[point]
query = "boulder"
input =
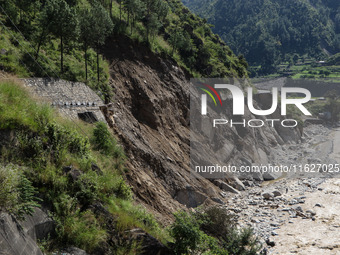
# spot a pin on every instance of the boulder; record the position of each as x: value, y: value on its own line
x: 14, y: 239
x: 75, y: 174
x: 217, y: 200
x: 237, y: 184
x: 269, y: 176
x: 72, y: 251
x: 149, y: 244
x: 227, y: 187
x: 190, y: 197
x: 39, y: 225
x: 277, y: 193
x: 268, y: 195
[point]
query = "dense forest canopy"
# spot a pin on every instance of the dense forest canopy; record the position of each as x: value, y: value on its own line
x: 268, y: 32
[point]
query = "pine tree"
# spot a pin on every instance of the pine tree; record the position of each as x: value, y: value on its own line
x: 85, y: 25
x: 102, y: 27
x: 61, y: 21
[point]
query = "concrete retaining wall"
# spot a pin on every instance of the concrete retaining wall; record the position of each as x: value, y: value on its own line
x: 70, y: 98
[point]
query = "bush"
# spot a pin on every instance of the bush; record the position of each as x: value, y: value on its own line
x: 104, y: 142
x: 82, y: 230
x: 103, y: 139
x: 214, y: 231
x: 186, y: 233
x: 26, y: 200
x: 17, y: 195
x: 9, y: 180
x: 64, y: 138
x: 242, y: 242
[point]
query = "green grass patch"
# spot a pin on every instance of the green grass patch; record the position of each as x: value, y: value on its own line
x: 43, y: 144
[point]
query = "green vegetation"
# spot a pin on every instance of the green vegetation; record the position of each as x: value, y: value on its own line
x: 45, y: 40
x: 104, y: 141
x: 324, y: 73
x: 269, y: 32
x: 211, y: 231
x: 74, y: 168
x: 47, y: 156
x: 60, y: 38
x: 334, y: 60
x: 330, y: 105
x: 17, y: 195
x: 305, y: 68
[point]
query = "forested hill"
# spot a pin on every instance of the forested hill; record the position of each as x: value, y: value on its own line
x: 270, y: 31
x: 73, y: 27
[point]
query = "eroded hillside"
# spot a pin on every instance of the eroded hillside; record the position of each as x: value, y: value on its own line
x: 152, y: 122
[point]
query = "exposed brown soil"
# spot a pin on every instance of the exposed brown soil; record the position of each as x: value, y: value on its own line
x: 152, y: 122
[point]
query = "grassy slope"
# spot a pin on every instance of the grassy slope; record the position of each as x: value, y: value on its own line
x: 45, y: 143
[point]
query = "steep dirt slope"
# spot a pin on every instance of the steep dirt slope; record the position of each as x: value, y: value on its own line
x: 152, y: 122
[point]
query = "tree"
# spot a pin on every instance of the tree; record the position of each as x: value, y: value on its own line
x: 176, y: 40
x: 61, y: 21
x: 295, y: 58
x: 152, y: 25
x: 85, y: 25
x: 25, y: 7
x: 135, y: 9
x: 162, y: 10
x: 120, y: 9
x: 102, y: 26
x: 154, y: 11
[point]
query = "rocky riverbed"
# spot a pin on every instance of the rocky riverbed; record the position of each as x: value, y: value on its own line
x: 297, y: 214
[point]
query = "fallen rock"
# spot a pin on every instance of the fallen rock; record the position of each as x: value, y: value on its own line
x: 268, y: 176
x: 274, y: 233
x: 298, y: 208
x: 72, y: 251
x: 39, y: 225
x: 149, y: 244
x: 237, y: 184
x: 268, y: 195
x: 217, y: 200
x: 14, y: 239
x: 190, y: 197
x: 227, y: 187
x: 277, y: 193
x: 270, y: 242
x: 311, y: 212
